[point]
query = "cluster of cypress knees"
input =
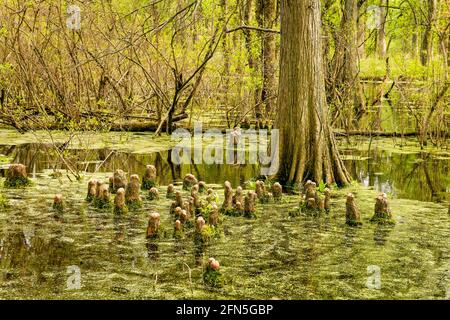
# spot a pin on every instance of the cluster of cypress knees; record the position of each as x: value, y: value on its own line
x: 128, y: 196
x: 199, y: 215
x: 314, y: 201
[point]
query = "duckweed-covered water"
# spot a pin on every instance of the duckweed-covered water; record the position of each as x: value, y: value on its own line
x: 271, y: 257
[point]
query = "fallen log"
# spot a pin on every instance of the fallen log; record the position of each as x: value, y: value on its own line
x: 140, y: 124
x: 385, y: 133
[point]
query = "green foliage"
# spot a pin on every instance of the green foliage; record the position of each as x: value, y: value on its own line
x: 207, y: 233
x: 56, y: 175
x: 302, y: 209
x: 353, y: 223
x: 321, y: 187
x: 58, y: 207
x: 134, y: 204
x: 213, y: 278
x: 205, y: 210
x: 151, y: 196
x: 5, y: 69
x: 292, y: 188
x: 265, y: 198
x: 251, y: 184
x: 295, y: 212
x: 178, y: 234
x: 250, y: 215
x: 3, y: 201
x: 148, y: 184
x: 101, y: 204
x: 120, y: 211
x: 382, y: 218
x: 232, y: 212
x: 5, y: 160
x: 16, y: 183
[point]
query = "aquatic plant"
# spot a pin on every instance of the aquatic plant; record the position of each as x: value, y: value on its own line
x: 212, y: 276
x: 58, y: 203
x: 178, y: 232
x: 212, y: 196
x: 313, y: 202
x: 3, y: 201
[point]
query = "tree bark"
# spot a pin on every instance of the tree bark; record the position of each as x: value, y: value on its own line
x: 267, y: 8
x: 444, y: 53
x: 351, y: 73
x: 247, y: 9
x: 382, y: 47
x: 226, y: 55
x: 414, y: 44
x: 307, y: 146
x: 427, y: 39
x: 361, y: 31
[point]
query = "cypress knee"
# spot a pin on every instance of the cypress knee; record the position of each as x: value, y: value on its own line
x: 382, y: 210
x: 189, y: 181
x: 170, y: 192
x: 16, y: 177
x: 352, y: 215
x: 92, y: 190
x: 228, y: 200
x: 277, y: 191
x: 153, y: 194
x: 327, y: 202
x: 149, y: 178
x: 103, y: 199
x: 117, y: 181
x: 58, y: 202
x: 132, y: 195
x: 119, y: 202
x: 154, y: 223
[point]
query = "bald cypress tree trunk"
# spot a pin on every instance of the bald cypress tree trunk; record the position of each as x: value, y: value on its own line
x: 267, y: 8
x: 382, y: 46
x: 427, y: 40
x: 347, y: 66
x: 307, y: 146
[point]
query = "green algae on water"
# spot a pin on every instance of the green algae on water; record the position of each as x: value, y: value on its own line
x: 3, y: 201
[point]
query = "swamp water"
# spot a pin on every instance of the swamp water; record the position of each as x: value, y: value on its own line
x: 271, y: 257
